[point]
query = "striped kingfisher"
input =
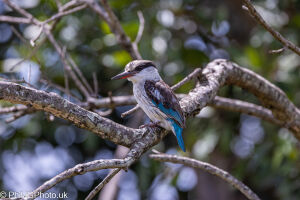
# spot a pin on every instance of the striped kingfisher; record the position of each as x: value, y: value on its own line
x: 155, y: 97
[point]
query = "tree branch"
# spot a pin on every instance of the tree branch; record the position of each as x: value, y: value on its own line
x: 115, y: 26
x: 102, y: 184
x: 208, y: 168
x: 246, y: 108
x: 81, y: 169
x: 62, y: 108
x: 220, y: 72
x: 214, y: 76
x: 276, y: 34
x: 18, y: 20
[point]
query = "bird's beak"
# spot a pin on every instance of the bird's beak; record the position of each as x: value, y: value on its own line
x: 123, y: 75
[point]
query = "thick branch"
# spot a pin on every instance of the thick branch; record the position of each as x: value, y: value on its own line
x: 208, y: 168
x: 59, y: 107
x: 220, y: 72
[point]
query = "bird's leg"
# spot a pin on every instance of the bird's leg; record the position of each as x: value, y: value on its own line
x: 151, y: 125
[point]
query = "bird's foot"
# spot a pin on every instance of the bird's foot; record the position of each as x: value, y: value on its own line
x: 151, y: 125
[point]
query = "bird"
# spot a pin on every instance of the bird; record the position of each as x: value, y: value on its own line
x: 155, y: 97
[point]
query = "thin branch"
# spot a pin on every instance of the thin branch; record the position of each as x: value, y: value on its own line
x: 276, y: 51
x: 32, y: 53
x: 47, y: 30
x: 134, y: 154
x: 71, y: 4
x: 64, y: 13
x: 95, y: 82
x: 93, y: 193
x: 66, y: 64
x: 18, y: 20
x: 20, y: 10
x: 109, y: 191
x: 80, y: 74
x: 57, y: 87
x: 12, y: 109
x: 192, y: 75
x: 208, y: 168
x: 141, y: 27
x: 115, y: 26
x: 81, y: 169
x: 19, y: 35
x: 132, y: 110
x: 58, y: 4
x: 20, y: 114
x: 286, y: 43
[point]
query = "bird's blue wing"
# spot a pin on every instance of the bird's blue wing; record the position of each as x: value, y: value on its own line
x: 163, y: 97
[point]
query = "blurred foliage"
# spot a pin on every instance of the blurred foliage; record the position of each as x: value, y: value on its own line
x: 179, y: 36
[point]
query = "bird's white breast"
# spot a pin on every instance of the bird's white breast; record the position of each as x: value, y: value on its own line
x: 148, y: 107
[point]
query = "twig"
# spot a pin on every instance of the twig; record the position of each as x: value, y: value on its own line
x: 71, y: 4
x: 192, y: 75
x: 57, y: 87
x: 17, y: 81
x: 59, y: 5
x: 141, y: 27
x: 286, y: 43
x: 79, y: 73
x: 132, y: 110
x: 20, y: 114
x: 18, y: 20
x: 19, y: 35
x: 20, y: 10
x: 12, y: 109
x: 95, y: 81
x: 64, y: 13
x: 32, y: 53
x: 276, y: 51
x: 208, y: 168
x: 109, y: 191
x: 93, y: 193
x: 66, y: 65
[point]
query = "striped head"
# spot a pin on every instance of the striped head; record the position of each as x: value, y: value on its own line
x: 139, y: 71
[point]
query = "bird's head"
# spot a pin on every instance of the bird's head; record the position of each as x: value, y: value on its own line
x: 139, y: 70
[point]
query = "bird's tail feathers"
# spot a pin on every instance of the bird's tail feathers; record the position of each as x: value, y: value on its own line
x: 178, y: 133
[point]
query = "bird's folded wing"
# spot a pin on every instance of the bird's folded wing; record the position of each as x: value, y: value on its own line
x: 163, y: 97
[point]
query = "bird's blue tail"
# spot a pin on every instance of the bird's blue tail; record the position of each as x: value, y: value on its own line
x: 178, y: 133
